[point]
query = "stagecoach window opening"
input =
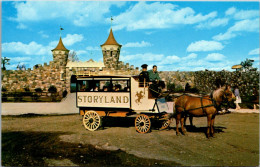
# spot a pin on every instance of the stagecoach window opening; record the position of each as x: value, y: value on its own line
x: 103, y: 85
x: 121, y: 85
x: 83, y: 86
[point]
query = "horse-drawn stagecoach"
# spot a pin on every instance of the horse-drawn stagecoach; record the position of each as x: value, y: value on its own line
x: 122, y: 96
x: 118, y: 96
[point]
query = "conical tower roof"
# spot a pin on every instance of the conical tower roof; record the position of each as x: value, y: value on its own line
x: 111, y: 39
x: 60, y: 46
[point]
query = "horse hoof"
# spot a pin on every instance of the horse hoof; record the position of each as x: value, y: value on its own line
x: 177, y: 134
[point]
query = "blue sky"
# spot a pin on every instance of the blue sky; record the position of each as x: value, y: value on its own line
x: 184, y: 36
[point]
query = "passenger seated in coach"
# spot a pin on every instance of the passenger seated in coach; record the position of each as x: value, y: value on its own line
x: 105, y: 89
x: 117, y: 88
x: 126, y: 89
x: 96, y: 89
x: 83, y: 88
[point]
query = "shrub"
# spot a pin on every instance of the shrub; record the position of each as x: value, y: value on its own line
x: 194, y: 90
x: 179, y: 88
x: 26, y: 89
x: 38, y: 90
x: 4, y: 97
x: 64, y: 93
x: 4, y: 89
x: 171, y: 87
x: 52, y: 89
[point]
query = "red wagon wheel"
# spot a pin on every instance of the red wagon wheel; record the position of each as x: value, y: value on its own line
x: 142, y: 123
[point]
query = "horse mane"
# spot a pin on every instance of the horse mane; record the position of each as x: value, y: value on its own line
x: 217, y: 94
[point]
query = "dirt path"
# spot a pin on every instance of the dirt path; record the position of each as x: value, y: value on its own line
x: 236, y: 142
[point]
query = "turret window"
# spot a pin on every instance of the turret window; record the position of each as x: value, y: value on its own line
x: 111, y: 53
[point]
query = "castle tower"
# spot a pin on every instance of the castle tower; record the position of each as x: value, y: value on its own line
x: 60, y: 54
x: 111, y: 52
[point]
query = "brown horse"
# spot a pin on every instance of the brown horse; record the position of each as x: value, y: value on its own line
x: 201, y: 106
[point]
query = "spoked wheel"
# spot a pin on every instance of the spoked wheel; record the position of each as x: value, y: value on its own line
x: 142, y: 123
x: 165, y: 124
x: 91, y: 120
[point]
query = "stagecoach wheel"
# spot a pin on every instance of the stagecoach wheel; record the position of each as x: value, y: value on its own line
x: 142, y: 123
x: 165, y: 124
x: 91, y: 120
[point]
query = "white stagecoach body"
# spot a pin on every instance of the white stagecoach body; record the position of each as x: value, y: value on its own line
x: 131, y: 96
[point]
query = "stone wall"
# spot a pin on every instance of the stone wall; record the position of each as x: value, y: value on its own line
x: 40, y: 77
x: 55, y: 74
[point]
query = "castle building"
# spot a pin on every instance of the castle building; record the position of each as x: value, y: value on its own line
x: 111, y: 52
x: 62, y: 73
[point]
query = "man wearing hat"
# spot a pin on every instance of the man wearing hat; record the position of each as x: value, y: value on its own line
x: 143, y: 76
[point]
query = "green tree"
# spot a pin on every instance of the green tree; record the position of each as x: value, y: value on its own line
x: 247, y: 64
x: 5, y: 61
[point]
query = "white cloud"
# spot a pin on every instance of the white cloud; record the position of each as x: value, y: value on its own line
x: 43, y: 34
x: 31, y: 48
x: 255, y: 59
x: 170, y: 60
x: 21, y: 26
x: 254, y: 52
x: 215, y: 57
x: 34, y: 48
x: 246, y: 25
x: 20, y: 59
x: 190, y: 56
x: 80, y: 13
x: 230, y: 11
x: 69, y: 40
x: 246, y: 14
x: 224, y: 36
x: 197, y: 65
x: 91, y: 48
x: 243, y: 25
x: 138, y: 44
x: 145, y: 15
x: 142, y: 57
x: 149, y: 32
x: 204, y: 46
x: 81, y: 52
x: 213, y: 23
x: 242, y: 14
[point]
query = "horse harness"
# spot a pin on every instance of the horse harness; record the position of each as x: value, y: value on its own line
x: 202, y: 107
